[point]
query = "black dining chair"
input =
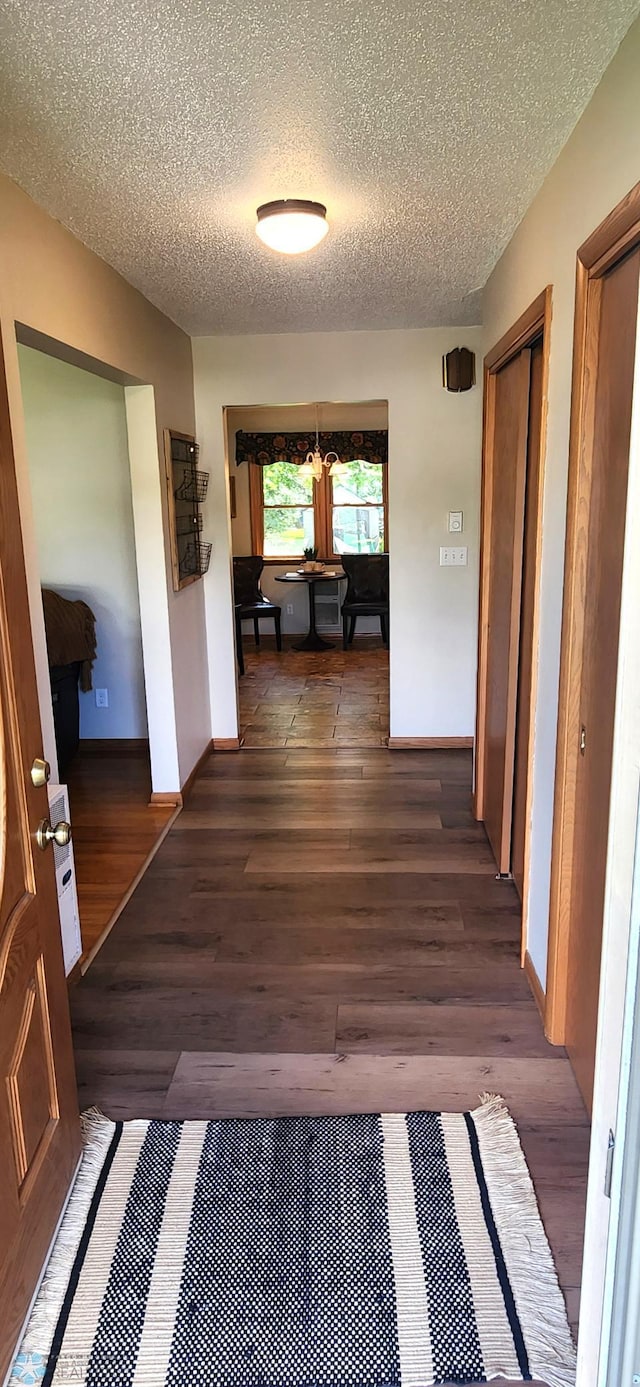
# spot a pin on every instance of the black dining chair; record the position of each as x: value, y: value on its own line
x: 367, y: 593
x: 250, y: 601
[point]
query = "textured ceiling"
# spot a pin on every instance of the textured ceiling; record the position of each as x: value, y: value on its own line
x: 154, y: 128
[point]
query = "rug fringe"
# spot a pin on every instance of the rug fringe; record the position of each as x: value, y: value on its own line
x: 97, y: 1133
x: 527, y: 1254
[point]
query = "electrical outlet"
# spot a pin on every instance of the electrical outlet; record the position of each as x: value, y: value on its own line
x: 453, y: 557
x: 289, y: 608
x: 455, y: 522
x: 102, y: 698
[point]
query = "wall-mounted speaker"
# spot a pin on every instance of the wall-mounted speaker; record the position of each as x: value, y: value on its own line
x: 459, y: 369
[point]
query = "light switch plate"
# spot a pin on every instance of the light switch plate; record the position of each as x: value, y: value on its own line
x: 455, y: 522
x: 453, y: 557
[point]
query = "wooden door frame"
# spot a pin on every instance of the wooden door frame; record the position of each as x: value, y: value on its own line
x: 616, y: 236
x: 535, y: 320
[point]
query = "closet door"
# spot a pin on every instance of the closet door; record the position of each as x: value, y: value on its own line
x: 524, y: 710
x: 507, y: 471
x: 613, y: 319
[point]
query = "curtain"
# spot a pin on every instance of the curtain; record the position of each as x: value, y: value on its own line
x: 370, y: 445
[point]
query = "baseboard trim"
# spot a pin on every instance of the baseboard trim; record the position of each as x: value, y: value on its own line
x: 430, y: 743
x: 535, y: 984
x: 193, y: 776
x: 114, y: 746
x: 164, y: 797
x: 226, y: 744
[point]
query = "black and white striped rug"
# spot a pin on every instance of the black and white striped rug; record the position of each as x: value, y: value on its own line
x: 366, y: 1251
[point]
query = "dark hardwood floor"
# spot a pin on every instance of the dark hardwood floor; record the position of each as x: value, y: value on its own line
x: 321, y: 931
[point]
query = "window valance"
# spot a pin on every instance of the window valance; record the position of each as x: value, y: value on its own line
x: 370, y: 445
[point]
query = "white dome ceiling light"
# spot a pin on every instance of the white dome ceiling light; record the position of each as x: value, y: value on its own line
x: 292, y: 225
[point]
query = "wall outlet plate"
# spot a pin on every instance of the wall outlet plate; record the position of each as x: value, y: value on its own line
x: 102, y: 698
x: 453, y: 557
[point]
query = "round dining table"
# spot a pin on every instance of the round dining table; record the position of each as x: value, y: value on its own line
x: 312, y: 640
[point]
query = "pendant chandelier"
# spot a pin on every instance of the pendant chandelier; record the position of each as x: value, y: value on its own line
x: 315, y: 464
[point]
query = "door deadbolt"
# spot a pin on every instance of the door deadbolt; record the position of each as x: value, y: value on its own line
x: 583, y: 740
x: 46, y: 833
x: 40, y: 772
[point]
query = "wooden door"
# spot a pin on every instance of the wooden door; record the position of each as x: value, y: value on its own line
x: 507, y: 483
x: 615, y: 305
x: 39, y: 1125
x: 527, y: 610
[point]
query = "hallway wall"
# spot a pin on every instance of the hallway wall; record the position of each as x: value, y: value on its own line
x: 53, y: 286
x: 434, y: 467
x: 76, y: 431
x: 597, y: 167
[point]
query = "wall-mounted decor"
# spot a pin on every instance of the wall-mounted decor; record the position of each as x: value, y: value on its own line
x: 186, y: 490
x: 233, y: 504
x: 459, y: 369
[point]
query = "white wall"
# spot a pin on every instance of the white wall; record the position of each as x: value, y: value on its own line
x: 78, y: 458
x: 598, y: 165
x: 434, y: 467
x: 371, y: 414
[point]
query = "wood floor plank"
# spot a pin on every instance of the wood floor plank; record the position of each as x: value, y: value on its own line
x: 558, y: 1154
x: 387, y: 1028
x: 259, y: 1085
x: 250, y: 817
x: 434, y: 920
x: 366, y: 945
x: 125, y: 1084
x: 190, y: 959
x: 474, y: 861
x: 193, y: 1019
x: 294, y: 790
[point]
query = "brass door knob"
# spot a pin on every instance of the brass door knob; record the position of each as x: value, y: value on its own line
x: 40, y: 772
x: 46, y: 833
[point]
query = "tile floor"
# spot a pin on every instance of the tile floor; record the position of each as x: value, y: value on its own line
x: 326, y: 699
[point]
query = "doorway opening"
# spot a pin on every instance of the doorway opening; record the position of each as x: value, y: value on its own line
x: 310, y: 561
x: 516, y: 374
x: 81, y: 498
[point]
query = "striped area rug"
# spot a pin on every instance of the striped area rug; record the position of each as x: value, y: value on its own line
x: 367, y: 1251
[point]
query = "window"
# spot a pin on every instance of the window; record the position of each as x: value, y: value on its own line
x: 345, y: 514
x: 358, y: 511
x: 288, y: 510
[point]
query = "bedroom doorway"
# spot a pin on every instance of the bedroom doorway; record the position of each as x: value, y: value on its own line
x: 95, y: 724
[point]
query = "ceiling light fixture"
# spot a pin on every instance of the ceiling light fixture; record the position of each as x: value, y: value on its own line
x: 292, y: 224
x: 314, y: 463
